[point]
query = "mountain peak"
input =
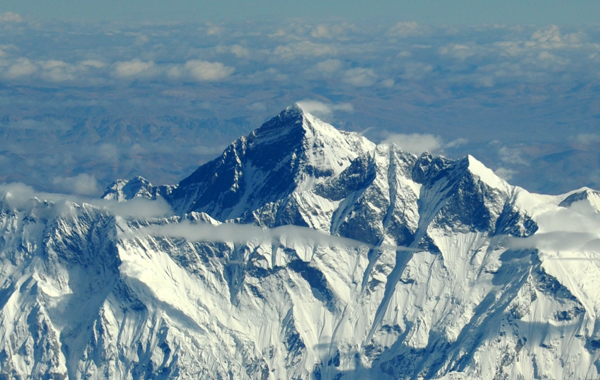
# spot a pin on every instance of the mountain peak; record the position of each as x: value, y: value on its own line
x: 485, y: 174
x: 292, y: 152
x: 295, y: 108
x: 291, y: 116
x: 375, y: 264
x: 584, y: 197
x: 137, y: 187
x: 294, y: 117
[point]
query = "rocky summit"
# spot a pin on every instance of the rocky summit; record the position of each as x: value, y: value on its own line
x: 303, y: 252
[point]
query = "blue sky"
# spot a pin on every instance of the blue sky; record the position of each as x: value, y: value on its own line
x: 561, y: 12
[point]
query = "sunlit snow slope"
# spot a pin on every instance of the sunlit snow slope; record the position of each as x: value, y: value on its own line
x: 303, y: 252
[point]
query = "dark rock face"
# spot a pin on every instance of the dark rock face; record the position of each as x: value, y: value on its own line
x: 579, y: 196
x: 266, y: 166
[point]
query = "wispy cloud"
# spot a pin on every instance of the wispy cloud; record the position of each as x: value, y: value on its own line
x: 134, y: 68
x: 138, y: 208
x: 414, y: 142
x: 20, y: 68
x: 237, y: 50
x: 556, y: 241
x: 244, y: 233
x: 83, y: 184
x: 10, y: 17
x: 322, y: 109
x: 329, y: 66
x: 408, y: 29
x: 511, y: 155
x: 587, y: 138
x: 505, y: 173
x: 360, y: 77
x: 304, y: 49
x: 202, y: 71
x: 563, y: 229
x: 23, y: 198
x: 16, y: 195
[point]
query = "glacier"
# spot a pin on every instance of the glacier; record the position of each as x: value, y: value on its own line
x: 303, y: 252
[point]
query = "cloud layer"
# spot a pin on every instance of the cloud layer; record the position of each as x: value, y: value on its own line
x: 450, y: 90
x: 242, y: 233
x: 354, y: 55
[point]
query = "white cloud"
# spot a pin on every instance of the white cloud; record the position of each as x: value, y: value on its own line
x: 133, y: 68
x: 346, y: 107
x: 555, y: 241
x: 215, y: 30
x: 244, y: 233
x: 510, y: 155
x: 271, y: 74
x: 202, y: 71
x: 93, y: 63
x: 175, y: 72
x: 278, y: 33
x: 415, y: 143
x: 551, y: 61
x: 314, y: 106
x: 240, y: 51
x: 141, y: 39
x: 23, y: 197
x: 416, y: 70
x: 108, y: 153
x: 22, y: 67
x: 360, y: 77
x: 10, y: 17
x: 321, y: 109
x: 505, y: 173
x: 57, y: 71
x: 257, y: 107
x: 82, y: 184
x: 574, y: 38
x: 548, y: 34
x: 418, y: 143
x: 406, y: 29
x: 304, y: 49
x: 587, y: 138
x: 568, y: 220
x: 456, y: 143
x: 52, y: 70
x: 329, y: 66
x: 389, y: 83
x: 16, y: 195
x: 237, y: 50
x: 321, y: 31
x: 486, y: 75
x: 458, y: 51
x: 484, y: 81
x: 137, y: 208
x: 563, y: 229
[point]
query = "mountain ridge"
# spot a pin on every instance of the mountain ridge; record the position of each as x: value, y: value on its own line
x: 369, y: 262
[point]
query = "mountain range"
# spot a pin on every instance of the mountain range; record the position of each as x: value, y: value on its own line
x: 303, y: 252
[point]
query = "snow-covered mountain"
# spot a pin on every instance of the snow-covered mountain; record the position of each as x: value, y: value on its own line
x: 303, y: 252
